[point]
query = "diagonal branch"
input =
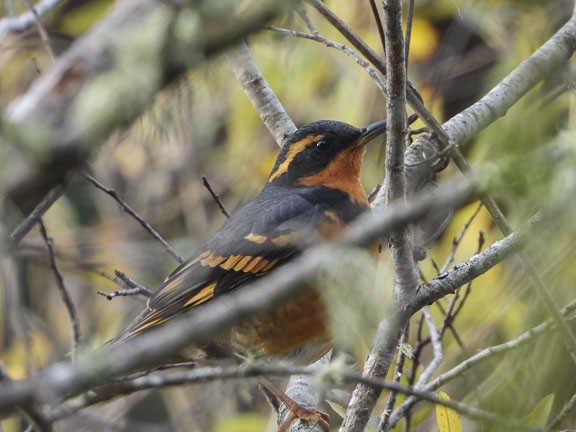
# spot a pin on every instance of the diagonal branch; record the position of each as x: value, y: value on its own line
x: 265, y: 102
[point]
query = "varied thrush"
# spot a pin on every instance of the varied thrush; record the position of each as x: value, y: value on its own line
x: 313, y: 191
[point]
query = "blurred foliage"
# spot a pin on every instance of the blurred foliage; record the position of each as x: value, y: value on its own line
x: 204, y: 125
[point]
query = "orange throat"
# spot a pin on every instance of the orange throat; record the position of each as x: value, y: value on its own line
x: 343, y: 174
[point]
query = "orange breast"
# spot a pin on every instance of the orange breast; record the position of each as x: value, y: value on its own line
x: 296, y: 330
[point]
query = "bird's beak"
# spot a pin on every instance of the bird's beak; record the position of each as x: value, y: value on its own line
x: 371, y: 131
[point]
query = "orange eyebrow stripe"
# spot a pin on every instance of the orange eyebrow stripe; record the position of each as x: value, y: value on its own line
x: 294, y: 149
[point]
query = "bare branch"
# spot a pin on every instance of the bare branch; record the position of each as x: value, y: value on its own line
x: 338, y: 46
x: 129, y: 286
x: 134, y: 288
x: 32, y: 219
x: 265, y: 102
x: 566, y: 409
x: 435, y: 337
x: 456, y: 242
x: 398, y: 372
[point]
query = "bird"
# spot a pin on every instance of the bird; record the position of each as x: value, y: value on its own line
x: 313, y: 191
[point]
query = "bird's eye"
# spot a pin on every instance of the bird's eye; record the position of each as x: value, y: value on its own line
x: 323, y: 146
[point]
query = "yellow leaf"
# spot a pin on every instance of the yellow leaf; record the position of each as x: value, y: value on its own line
x: 447, y: 419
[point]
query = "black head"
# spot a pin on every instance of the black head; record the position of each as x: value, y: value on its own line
x: 313, y: 147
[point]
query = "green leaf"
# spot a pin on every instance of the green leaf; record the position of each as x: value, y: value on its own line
x: 539, y: 415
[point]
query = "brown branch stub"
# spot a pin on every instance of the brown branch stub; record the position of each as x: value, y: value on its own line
x: 130, y: 286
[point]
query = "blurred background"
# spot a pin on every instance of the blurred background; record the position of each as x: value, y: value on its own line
x: 205, y: 125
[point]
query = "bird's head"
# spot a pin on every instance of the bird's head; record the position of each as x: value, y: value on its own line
x: 323, y: 152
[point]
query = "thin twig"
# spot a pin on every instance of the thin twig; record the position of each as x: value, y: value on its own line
x: 126, y: 292
x: 435, y: 337
x: 338, y: 46
x: 398, y: 372
x: 129, y: 286
x: 121, y: 279
x: 304, y: 16
x: 566, y: 409
x: 379, y: 26
x: 135, y: 215
x: 414, y: 99
x: 66, y: 297
x: 452, y: 311
x: 456, y: 241
x: 409, y: 23
x: 27, y: 19
x: 41, y: 31
x: 468, y: 287
x: 42, y: 207
x: 126, y: 283
x: 215, y: 196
